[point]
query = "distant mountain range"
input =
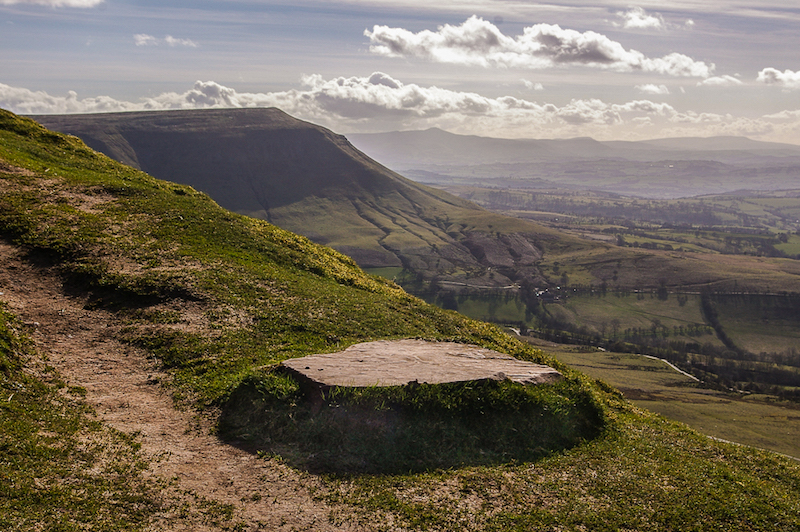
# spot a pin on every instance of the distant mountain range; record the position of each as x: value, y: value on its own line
x: 309, y: 180
x: 661, y: 168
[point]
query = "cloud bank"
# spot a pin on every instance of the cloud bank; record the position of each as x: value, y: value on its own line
x: 478, y: 42
x: 381, y: 102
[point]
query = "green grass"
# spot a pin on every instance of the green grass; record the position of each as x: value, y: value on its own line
x: 219, y: 300
x: 617, y: 312
x: 639, y: 477
x: 390, y: 272
x: 761, y: 324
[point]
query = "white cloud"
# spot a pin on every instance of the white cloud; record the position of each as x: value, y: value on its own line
x: 531, y: 86
x: 478, y: 42
x: 720, y: 81
x: 55, y: 3
x: 651, y: 88
x: 172, y: 41
x: 24, y: 101
x: 381, y: 102
x: 143, y: 39
x: 786, y: 79
x: 638, y: 18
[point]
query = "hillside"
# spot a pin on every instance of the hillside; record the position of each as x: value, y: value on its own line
x: 304, y: 178
x: 137, y: 268
x: 266, y: 164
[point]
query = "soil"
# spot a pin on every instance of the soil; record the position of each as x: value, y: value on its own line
x: 126, y: 390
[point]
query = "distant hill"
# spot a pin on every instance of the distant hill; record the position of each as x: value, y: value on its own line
x: 305, y: 178
x: 660, y: 168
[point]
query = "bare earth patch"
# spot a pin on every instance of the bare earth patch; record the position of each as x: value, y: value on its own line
x: 214, y: 486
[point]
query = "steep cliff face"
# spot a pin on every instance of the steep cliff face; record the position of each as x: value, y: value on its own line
x: 305, y: 178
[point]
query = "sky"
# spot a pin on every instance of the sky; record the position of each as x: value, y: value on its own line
x: 503, y: 68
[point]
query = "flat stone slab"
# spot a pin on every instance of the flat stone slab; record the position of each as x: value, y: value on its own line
x: 401, y: 362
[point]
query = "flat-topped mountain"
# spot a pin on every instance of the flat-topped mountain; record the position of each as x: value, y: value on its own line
x: 305, y: 178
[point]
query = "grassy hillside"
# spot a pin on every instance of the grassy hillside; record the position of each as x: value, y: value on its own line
x: 304, y: 178
x: 218, y: 299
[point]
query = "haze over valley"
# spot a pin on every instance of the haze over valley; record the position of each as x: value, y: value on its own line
x: 653, y: 169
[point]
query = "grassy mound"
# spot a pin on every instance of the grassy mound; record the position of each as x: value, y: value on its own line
x: 410, y: 428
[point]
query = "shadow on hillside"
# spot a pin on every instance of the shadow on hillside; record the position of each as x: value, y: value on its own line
x: 408, y: 429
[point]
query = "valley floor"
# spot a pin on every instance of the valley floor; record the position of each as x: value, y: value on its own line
x: 753, y: 420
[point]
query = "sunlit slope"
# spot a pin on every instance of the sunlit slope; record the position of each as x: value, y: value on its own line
x: 218, y: 299
x: 216, y: 294
x: 302, y: 177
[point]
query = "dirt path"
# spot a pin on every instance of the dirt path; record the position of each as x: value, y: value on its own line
x: 122, y: 385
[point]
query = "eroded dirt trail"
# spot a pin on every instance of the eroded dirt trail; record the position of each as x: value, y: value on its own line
x: 123, y: 386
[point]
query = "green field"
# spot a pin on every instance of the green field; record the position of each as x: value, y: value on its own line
x: 761, y: 323
x: 613, y: 315
x: 654, y: 385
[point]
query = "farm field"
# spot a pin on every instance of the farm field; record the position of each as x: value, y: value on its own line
x: 761, y: 324
x: 749, y: 223
x: 652, y: 384
x: 614, y: 315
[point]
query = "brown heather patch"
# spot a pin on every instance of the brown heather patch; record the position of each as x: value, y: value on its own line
x: 92, y: 201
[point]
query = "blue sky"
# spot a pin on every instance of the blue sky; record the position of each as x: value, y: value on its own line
x: 610, y: 70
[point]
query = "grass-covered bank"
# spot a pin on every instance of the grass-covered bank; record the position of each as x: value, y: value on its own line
x: 219, y: 300
x: 411, y: 428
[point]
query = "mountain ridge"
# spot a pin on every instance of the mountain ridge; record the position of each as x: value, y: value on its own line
x: 655, y: 169
x: 266, y: 164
